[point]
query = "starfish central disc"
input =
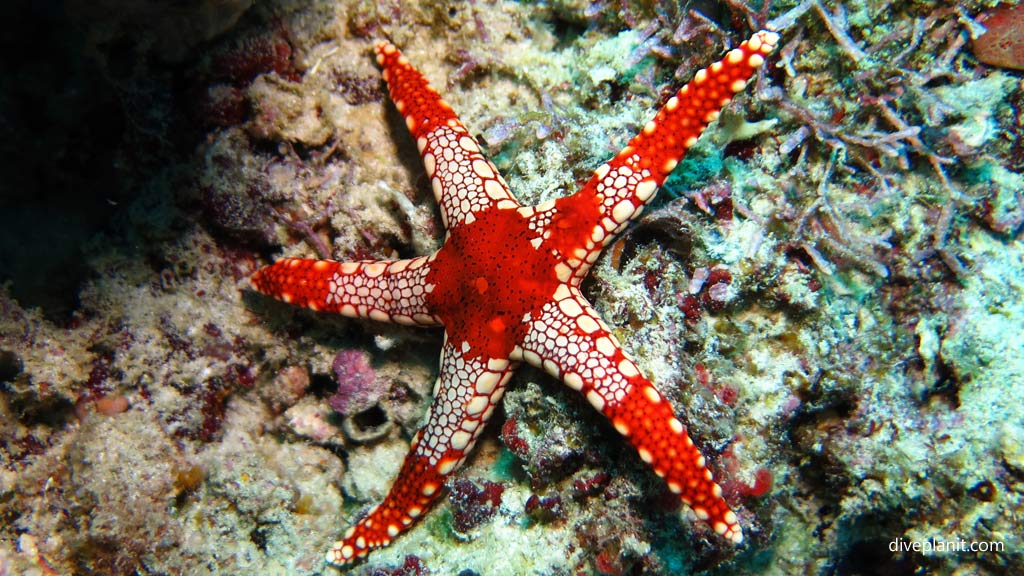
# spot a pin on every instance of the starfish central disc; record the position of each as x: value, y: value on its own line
x: 491, y: 268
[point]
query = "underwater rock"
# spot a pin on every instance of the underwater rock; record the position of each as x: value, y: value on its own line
x: 1003, y: 43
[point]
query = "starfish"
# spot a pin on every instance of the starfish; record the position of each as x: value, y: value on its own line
x: 506, y: 287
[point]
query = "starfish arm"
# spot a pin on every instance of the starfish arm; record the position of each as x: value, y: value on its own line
x: 392, y: 291
x: 465, y: 396
x: 569, y: 341
x: 620, y: 188
x: 463, y: 180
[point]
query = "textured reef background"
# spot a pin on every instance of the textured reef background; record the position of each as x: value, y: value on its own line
x: 830, y: 289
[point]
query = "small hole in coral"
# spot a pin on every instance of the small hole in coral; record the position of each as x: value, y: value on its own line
x: 371, y: 418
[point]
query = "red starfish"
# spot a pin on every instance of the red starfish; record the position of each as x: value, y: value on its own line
x: 505, y: 286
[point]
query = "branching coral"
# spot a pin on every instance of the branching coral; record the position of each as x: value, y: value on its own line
x: 879, y: 110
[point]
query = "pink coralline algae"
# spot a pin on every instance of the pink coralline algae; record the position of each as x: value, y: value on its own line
x: 473, y: 503
x: 412, y: 566
x: 708, y: 290
x: 358, y: 387
x: 543, y: 508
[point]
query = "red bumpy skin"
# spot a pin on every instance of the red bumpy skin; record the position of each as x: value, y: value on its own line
x: 505, y: 286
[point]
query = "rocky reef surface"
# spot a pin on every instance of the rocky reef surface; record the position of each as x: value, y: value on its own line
x: 830, y: 289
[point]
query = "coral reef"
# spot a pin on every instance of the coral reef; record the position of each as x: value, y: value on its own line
x: 830, y: 290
